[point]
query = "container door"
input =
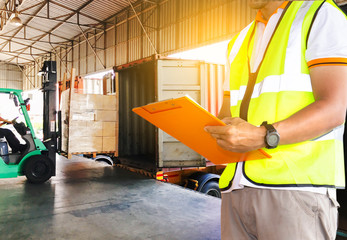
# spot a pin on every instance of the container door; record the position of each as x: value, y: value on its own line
x: 177, y: 78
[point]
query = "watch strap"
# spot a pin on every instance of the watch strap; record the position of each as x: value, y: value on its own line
x: 268, y: 127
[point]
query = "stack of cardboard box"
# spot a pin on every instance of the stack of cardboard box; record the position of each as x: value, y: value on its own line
x: 93, y: 124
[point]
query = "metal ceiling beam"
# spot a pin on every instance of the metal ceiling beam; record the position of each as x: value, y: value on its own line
x: 20, y: 43
x: 58, y: 20
x: 45, y: 32
x: 15, y: 56
x: 29, y: 54
x: 79, y: 9
x: 40, y: 41
x: 28, y: 8
x: 36, y: 12
x: 61, y: 23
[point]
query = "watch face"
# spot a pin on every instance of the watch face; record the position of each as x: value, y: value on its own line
x: 273, y: 139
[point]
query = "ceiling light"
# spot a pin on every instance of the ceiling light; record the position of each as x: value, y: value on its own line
x: 16, y: 20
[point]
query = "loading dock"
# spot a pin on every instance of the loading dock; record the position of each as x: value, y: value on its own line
x: 92, y: 36
x: 95, y: 201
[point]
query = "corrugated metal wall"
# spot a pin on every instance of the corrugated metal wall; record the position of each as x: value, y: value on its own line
x: 171, y: 25
x: 11, y: 76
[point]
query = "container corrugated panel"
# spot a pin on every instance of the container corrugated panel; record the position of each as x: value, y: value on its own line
x: 214, y: 76
x: 136, y: 136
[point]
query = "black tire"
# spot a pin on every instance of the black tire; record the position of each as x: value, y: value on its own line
x: 105, y: 160
x: 38, y: 169
x: 211, y: 188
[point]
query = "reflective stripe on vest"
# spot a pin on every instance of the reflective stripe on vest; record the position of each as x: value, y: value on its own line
x: 283, y: 87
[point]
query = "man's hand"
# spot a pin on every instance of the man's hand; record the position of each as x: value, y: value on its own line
x: 238, y: 135
x: 5, y: 121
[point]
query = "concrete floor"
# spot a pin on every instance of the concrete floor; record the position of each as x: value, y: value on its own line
x: 88, y: 200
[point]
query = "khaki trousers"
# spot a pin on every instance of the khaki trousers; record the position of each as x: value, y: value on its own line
x: 267, y: 214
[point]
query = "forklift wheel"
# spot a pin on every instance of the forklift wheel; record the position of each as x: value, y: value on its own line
x: 38, y: 169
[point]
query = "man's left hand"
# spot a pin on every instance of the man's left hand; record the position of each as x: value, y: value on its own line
x: 238, y: 135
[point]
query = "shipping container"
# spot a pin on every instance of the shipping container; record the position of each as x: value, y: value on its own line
x: 142, y: 145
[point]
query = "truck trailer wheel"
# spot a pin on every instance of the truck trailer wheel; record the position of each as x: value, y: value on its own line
x: 38, y: 169
x: 211, y: 188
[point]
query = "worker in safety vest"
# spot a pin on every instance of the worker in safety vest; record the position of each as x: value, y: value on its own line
x: 12, y: 140
x: 286, y: 93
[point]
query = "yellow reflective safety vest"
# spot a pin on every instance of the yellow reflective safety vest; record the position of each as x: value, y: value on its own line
x: 282, y: 87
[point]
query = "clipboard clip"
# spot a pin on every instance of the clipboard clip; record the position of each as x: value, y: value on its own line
x: 161, y: 107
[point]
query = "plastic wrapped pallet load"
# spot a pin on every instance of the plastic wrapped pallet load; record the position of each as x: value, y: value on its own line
x: 93, y: 125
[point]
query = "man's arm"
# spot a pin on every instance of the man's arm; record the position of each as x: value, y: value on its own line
x: 329, y: 84
x: 4, y: 120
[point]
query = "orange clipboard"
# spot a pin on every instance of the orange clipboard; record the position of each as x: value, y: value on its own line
x: 184, y: 119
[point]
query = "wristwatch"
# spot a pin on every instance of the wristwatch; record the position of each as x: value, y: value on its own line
x: 272, y: 137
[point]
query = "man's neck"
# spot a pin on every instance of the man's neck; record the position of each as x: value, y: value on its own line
x: 270, y: 8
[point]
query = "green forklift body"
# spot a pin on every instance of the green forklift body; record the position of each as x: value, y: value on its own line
x: 14, y: 170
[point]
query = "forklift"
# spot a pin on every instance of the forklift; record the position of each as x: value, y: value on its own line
x: 38, y: 161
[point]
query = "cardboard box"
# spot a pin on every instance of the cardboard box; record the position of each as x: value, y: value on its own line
x: 109, y: 129
x: 94, y: 129
x: 106, y: 116
x: 109, y: 102
x: 85, y: 144
x: 109, y: 144
x: 87, y: 102
x: 93, y: 123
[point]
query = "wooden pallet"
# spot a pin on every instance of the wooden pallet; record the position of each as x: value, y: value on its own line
x: 69, y: 155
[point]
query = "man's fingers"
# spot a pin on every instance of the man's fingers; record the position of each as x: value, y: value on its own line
x: 232, y: 121
x: 216, y: 129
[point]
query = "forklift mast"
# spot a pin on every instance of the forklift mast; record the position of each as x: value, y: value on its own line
x: 49, y: 89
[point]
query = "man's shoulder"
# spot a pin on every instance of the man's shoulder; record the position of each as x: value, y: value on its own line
x: 330, y: 11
